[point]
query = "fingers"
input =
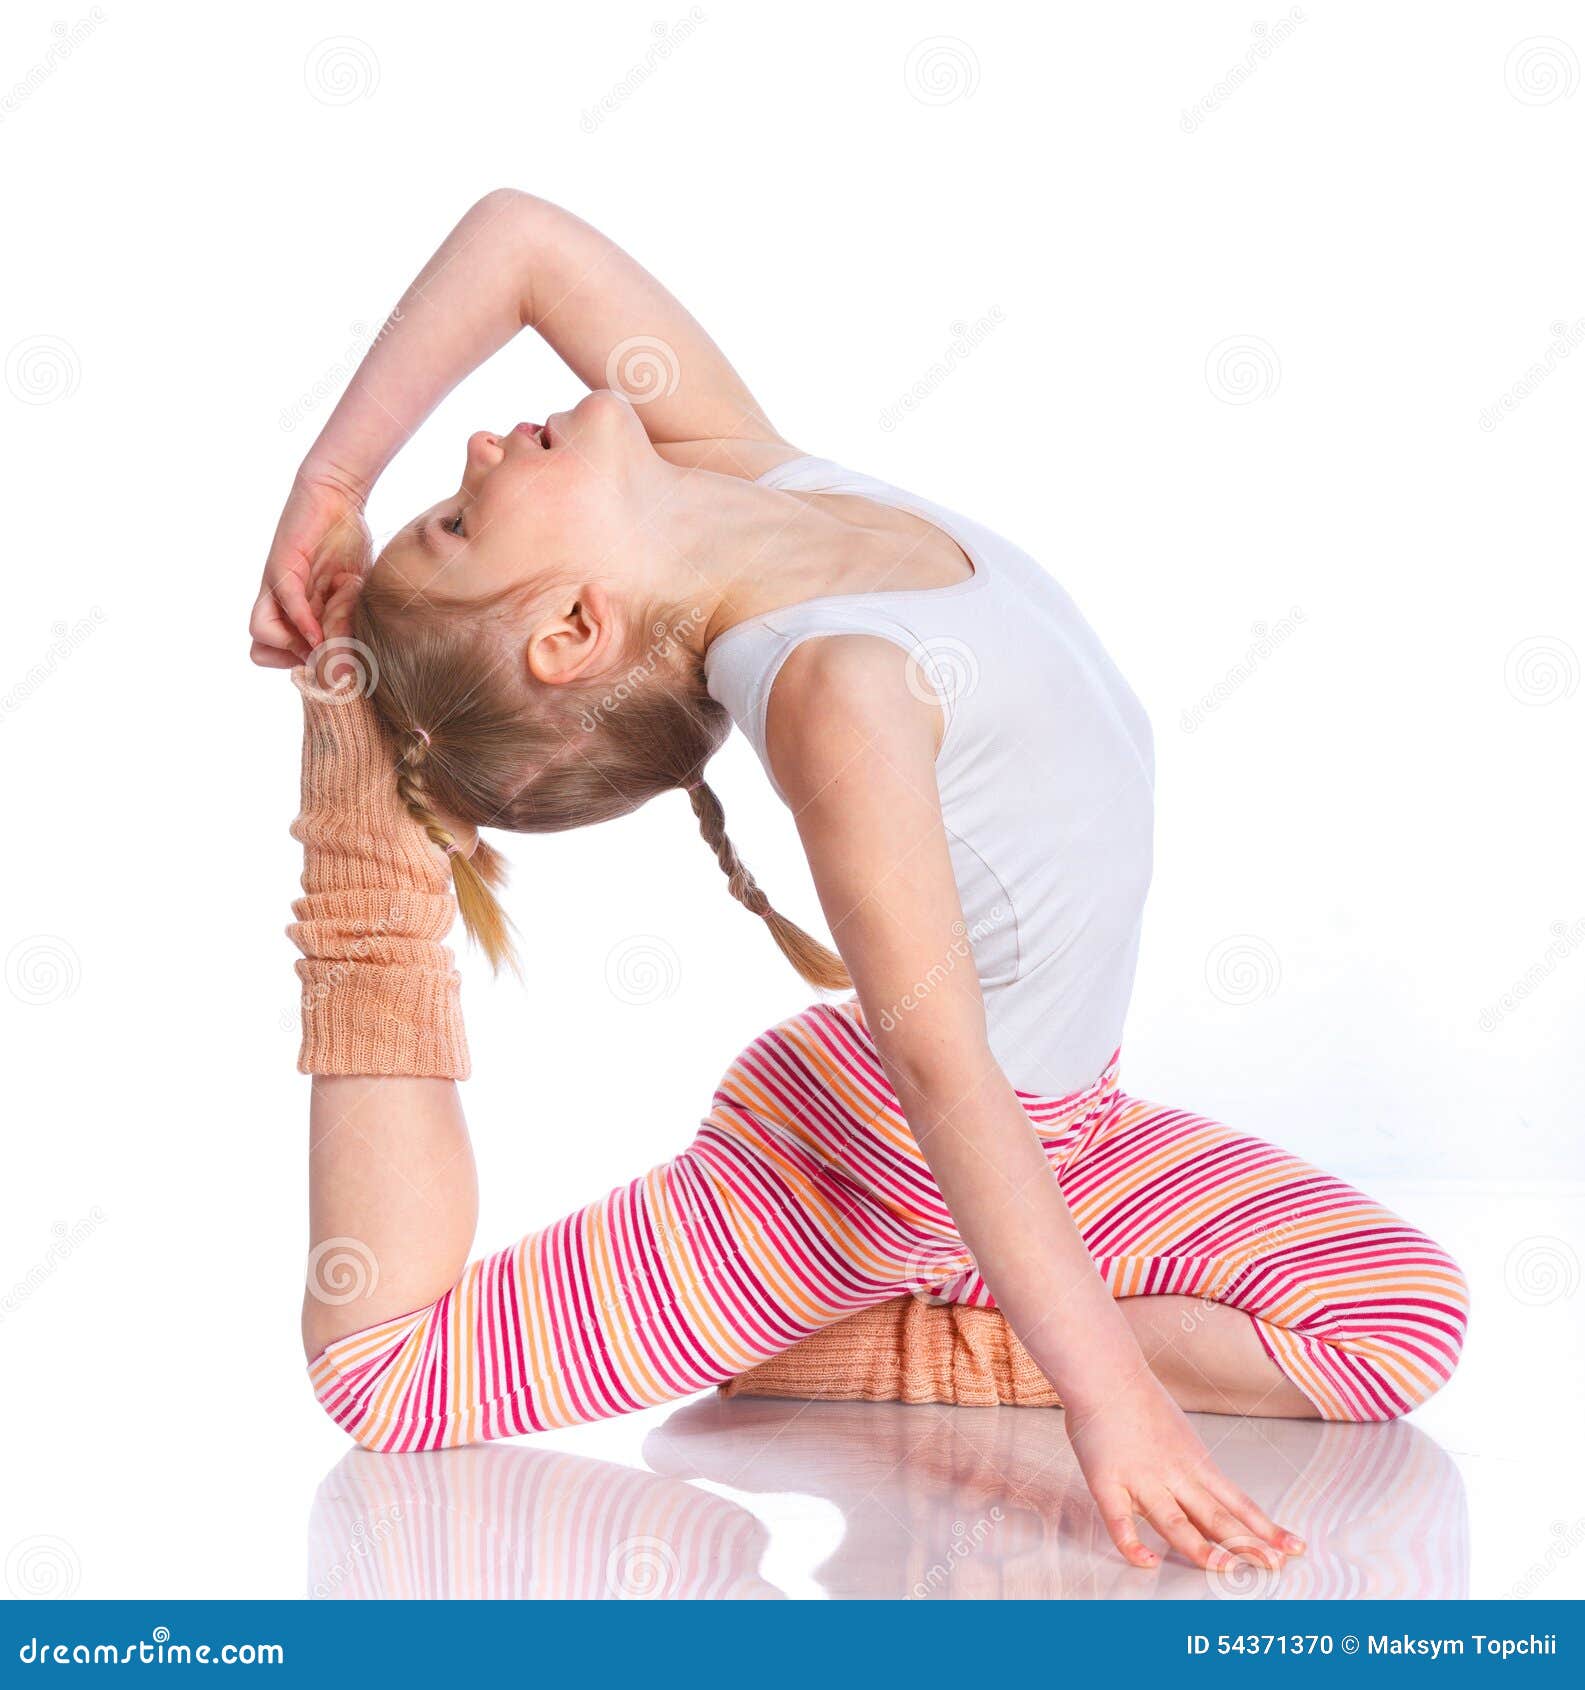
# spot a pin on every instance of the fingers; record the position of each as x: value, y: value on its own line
x: 1164, y: 1512
x: 1205, y: 1533
x: 1195, y: 1524
x: 1117, y: 1510
x: 272, y: 657
x: 270, y: 629
x: 1252, y: 1514
x: 289, y: 595
x: 1236, y: 1536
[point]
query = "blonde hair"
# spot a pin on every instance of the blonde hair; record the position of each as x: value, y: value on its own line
x: 478, y: 738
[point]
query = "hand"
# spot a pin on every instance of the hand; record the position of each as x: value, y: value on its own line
x: 1140, y: 1456
x: 286, y: 622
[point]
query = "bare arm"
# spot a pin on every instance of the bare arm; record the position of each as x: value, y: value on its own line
x: 854, y: 748
x: 863, y: 787
x: 393, y: 1200
x: 392, y: 1193
x: 513, y: 261
x: 516, y: 261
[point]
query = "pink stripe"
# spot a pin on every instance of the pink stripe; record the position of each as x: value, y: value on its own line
x: 737, y: 1199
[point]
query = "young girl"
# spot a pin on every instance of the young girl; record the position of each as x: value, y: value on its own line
x: 569, y: 634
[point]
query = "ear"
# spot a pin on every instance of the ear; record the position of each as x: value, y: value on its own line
x: 341, y: 602
x: 574, y: 642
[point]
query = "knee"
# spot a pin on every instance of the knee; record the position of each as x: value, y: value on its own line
x: 1429, y: 1328
x: 364, y: 1381
x: 337, y: 1393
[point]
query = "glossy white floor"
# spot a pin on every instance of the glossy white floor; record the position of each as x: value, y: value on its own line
x: 1482, y: 1493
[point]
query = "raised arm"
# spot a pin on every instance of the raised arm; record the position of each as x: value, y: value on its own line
x: 514, y: 261
x: 853, y: 747
x: 392, y: 1195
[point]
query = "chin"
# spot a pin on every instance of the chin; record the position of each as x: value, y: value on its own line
x: 616, y: 411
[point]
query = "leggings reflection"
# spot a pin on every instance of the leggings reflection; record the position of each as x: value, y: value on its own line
x: 976, y: 1504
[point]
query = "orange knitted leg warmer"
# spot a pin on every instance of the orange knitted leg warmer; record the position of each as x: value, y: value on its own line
x: 906, y: 1350
x: 380, y: 995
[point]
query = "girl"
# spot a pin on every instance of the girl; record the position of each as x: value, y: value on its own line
x: 569, y: 634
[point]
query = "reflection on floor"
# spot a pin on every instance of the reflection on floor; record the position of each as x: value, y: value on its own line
x: 935, y: 1503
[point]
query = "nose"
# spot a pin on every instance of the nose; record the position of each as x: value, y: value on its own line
x: 484, y: 453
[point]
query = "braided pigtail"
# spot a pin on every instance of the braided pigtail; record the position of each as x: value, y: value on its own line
x: 817, y: 963
x: 472, y: 877
x: 478, y: 738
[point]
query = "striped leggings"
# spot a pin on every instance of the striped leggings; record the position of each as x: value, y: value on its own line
x: 804, y: 1198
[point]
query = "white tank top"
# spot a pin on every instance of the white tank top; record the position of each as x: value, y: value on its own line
x: 1046, y: 773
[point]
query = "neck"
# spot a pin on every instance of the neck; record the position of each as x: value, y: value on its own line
x: 734, y: 550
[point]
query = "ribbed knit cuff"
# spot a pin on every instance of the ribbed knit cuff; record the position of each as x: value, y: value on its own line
x: 364, y: 1018
x: 380, y: 995
x: 906, y: 1350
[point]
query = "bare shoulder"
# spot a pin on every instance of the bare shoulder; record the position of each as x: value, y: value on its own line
x: 846, y: 703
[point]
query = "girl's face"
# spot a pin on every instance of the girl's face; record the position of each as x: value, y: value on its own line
x: 541, y: 502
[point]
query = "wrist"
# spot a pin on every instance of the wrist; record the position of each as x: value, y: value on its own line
x: 319, y: 469
x: 1109, y: 1368
x: 1109, y: 1391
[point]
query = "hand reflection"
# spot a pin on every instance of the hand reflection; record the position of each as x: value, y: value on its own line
x: 990, y: 1502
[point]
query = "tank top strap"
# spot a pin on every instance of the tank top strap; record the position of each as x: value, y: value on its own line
x: 813, y: 475
x: 742, y: 664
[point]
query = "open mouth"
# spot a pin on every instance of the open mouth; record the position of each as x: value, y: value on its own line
x: 539, y: 433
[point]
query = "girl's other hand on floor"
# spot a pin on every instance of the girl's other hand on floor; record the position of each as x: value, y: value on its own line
x: 299, y: 580
x: 1141, y: 1458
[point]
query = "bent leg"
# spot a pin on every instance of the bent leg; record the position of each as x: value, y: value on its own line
x: 1361, y: 1312
x: 792, y: 1209
x: 634, y: 1300
x: 1254, y: 1283
x: 1211, y: 1360
x: 911, y: 1350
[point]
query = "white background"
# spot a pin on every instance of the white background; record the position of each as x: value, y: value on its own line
x: 1367, y: 842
